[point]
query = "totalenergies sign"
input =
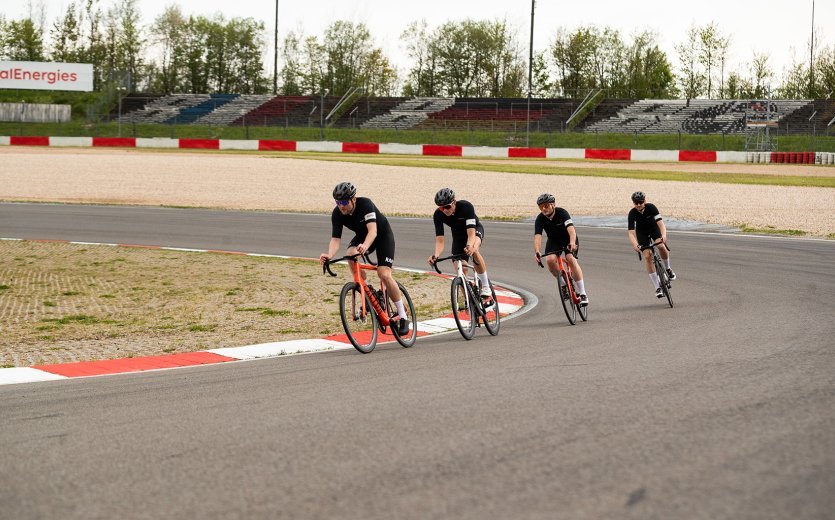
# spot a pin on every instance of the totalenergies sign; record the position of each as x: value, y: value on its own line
x: 39, y: 75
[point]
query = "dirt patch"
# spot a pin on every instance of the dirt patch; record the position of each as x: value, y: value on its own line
x: 64, y: 302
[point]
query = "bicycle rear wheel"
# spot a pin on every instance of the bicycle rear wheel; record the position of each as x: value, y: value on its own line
x: 567, y: 303
x: 492, y: 318
x: 409, y: 339
x: 360, y: 323
x: 462, y: 309
x: 666, y: 286
x: 582, y: 310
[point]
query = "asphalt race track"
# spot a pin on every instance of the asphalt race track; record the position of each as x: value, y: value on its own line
x: 723, y: 407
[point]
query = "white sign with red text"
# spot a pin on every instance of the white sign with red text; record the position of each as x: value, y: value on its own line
x: 38, y: 75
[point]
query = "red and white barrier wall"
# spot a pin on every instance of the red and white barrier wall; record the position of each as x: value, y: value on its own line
x: 436, y: 150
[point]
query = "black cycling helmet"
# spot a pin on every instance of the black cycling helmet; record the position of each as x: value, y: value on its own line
x: 639, y: 196
x: 444, y: 196
x: 545, y: 198
x: 344, y: 191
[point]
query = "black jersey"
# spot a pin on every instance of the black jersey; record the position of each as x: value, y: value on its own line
x: 645, y: 223
x: 463, y: 219
x: 556, y: 227
x: 364, y: 212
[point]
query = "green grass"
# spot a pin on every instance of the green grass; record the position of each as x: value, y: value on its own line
x: 797, y: 143
x: 771, y: 230
x: 202, y: 328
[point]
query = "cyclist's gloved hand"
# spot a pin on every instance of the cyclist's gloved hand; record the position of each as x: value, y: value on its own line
x: 432, y: 259
x: 323, y: 258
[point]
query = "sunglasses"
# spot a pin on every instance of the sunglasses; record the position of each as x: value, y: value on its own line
x: 638, y: 203
x: 343, y: 202
x: 446, y: 206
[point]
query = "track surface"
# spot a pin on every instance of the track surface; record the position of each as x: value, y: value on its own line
x: 723, y: 407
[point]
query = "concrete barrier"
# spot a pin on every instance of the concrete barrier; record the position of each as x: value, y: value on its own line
x: 731, y: 157
x: 371, y: 148
x: 71, y: 141
x: 483, y: 151
x: 565, y: 153
x: 655, y: 155
x: 319, y: 146
x: 237, y: 144
x: 4, y: 140
x: 272, y: 145
x: 401, y: 149
x: 157, y: 142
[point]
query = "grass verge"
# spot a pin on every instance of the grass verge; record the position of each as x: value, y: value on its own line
x: 68, y: 302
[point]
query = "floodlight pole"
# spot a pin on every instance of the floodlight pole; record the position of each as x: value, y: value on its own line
x: 812, y: 55
x: 530, y: 80
x: 275, y: 52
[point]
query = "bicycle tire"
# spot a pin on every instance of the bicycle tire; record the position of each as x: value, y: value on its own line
x: 491, y: 316
x: 409, y: 340
x: 462, y: 308
x: 664, y: 281
x: 582, y: 310
x: 567, y: 303
x: 361, y: 329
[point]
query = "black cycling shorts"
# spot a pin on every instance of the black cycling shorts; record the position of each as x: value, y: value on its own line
x: 382, y: 245
x: 555, y: 245
x: 460, y: 241
x: 645, y: 240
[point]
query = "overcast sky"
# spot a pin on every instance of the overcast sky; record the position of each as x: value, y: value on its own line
x: 780, y: 28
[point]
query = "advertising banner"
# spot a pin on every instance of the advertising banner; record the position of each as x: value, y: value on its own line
x: 37, y: 75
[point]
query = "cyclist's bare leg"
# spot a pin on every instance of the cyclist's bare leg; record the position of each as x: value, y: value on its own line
x: 551, y: 262
x: 480, y: 263
x: 576, y: 272
x: 648, y: 261
x: 391, y: 285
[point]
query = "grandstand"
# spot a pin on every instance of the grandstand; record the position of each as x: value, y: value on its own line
x: 694, y: 116
x: 409, y: 113
x: 647, y: 116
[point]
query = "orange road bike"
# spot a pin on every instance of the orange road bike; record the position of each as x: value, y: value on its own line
x: 365, y: 312
x: 660, y: 270
x: 467, y: 305
x: 568, y: 293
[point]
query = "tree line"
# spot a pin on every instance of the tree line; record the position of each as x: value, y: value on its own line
x: 190, y: 53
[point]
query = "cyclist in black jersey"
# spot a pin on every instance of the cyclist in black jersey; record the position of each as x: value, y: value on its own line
x: 646, y: 226
x: 373, y: 233
x: 467, y: 233
x: 557, y: 224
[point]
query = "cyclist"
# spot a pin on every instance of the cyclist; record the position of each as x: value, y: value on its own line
x: 373, y: 233
x: 646, y: 226
x: 467, y: 233
x: 557, y: 223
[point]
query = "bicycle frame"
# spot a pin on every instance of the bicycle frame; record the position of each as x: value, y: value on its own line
x: 565, y: 268
x: 357, y: 268
x: 460, y: 265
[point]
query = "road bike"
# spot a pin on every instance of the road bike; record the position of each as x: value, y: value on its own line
x: 660, y: 270
x: 366, y: 312
x: 467, y: 305
x: 568, y: 293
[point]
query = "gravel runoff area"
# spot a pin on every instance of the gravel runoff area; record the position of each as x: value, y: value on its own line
x: 260, y: 182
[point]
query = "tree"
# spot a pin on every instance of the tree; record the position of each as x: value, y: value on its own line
x: 291, y: 69
x: 168, y: 32
x: 420, y: 80
x: 66, y: 36
x: 760, y: 74
x: 648, y: 72
x: 691, y: 78
x: 710, y: 44
x: 346, y: 45
x: 24, y: 41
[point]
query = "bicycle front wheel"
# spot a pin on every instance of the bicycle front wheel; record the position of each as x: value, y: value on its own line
x: 582, y: 310
x: 492, y: 318
x: 359, y: 321
x: 462, y: 309
x: 565, y: 299
x: 409, y: 339
x: 664, y: 280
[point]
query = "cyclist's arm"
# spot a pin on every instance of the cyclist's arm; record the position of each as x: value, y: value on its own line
x: 471, y: 247
x: 369, y: 238
x: 572, y: 237
x: 439, y: 246
x: 634, y: 239
x: 333, y: 247
x: 537, y: 243
x: 663, y: 229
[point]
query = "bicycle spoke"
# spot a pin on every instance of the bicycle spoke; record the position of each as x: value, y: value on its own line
x: 360, y: 323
